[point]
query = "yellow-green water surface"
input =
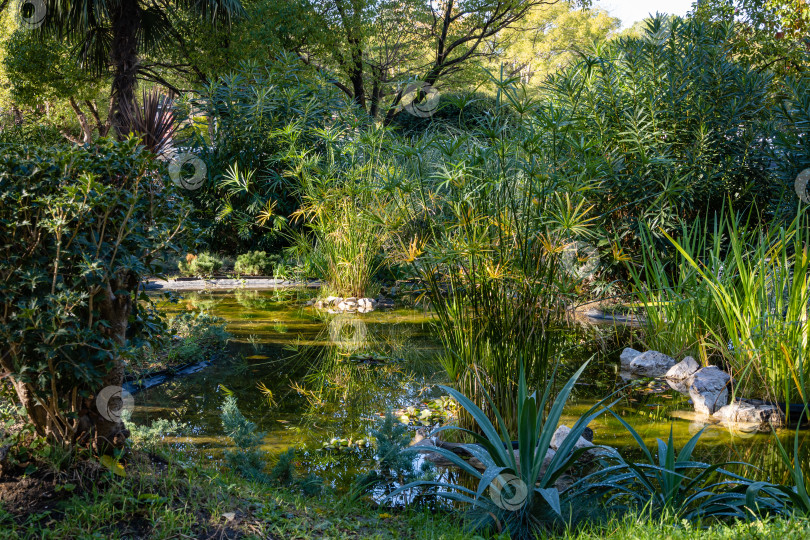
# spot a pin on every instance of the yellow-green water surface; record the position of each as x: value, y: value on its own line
x: 305, y: 377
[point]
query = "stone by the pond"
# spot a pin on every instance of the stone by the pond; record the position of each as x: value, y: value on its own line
x: 683, y: 369
x: 708, y: 388
x: 560, y: 435
x: 682, y: 386
x: 742, y: 411
x: 627, y: 356
x: 650, y: 364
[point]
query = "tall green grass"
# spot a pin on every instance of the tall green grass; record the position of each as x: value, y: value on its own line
x: 760, y: 289
x: 489, y: 251
x: 677, y: 308
x: 343, y: 235
x: 738, y: 291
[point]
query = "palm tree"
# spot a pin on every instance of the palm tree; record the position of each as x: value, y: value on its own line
x: 113, y: 33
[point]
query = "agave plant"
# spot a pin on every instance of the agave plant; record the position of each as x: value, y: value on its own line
x: 516, y: 487
x: 670, y: 483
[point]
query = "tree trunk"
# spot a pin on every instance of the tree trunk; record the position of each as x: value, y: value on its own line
x: 115, y: 309
x: 104, y: 430
x: 356, y: 73
x: 126, y: 24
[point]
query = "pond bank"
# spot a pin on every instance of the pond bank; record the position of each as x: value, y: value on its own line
x: 224, y: 283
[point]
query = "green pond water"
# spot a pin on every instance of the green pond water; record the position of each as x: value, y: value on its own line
x: 335, y: 376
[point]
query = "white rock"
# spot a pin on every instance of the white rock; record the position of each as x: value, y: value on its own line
x: 743, y: 412
x: 708, y: 388
x: 651, y: 364
x: 628, y: 355
x: 560, y: 435
x: 683, y: 369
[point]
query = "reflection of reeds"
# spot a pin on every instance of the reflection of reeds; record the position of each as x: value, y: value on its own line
x: 338, y: 382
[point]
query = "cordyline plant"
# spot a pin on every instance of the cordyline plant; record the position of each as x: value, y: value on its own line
x: 78, y: 228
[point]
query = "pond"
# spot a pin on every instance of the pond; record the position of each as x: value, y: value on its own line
x: 305, y: 377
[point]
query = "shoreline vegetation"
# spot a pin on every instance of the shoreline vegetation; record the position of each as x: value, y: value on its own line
x: 427, y: 269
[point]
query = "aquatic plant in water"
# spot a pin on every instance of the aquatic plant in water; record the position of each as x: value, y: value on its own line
x: 759, y: 281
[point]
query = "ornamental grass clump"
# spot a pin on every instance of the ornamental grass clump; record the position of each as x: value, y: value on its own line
x: 759, y: 281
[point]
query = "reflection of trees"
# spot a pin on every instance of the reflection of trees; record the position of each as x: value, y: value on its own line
x: 365, y: 369
x: 274, y: 300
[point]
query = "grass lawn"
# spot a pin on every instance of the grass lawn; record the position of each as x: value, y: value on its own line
x: 158, y: 499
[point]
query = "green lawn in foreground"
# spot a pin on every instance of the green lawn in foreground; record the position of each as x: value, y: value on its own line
x: 160, y: 501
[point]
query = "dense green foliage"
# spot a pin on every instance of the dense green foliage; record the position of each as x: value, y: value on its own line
x: 260, y: 118
x: 205, y: 264
x: 255, y: 263
x: 657, y: 165
x: 80, y: 227
x: 665, y: 127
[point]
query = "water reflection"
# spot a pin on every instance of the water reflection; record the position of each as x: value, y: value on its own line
x: 333, y: 376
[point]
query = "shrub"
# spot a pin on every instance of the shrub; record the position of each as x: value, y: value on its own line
x: 248, y: 458
x: 255, y: 263
x: 80, y: 227
x: 204, y: 264
x: 664, y: 126
x: 523, y: 479
x: 671, y: 484
x: 261, y: 118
